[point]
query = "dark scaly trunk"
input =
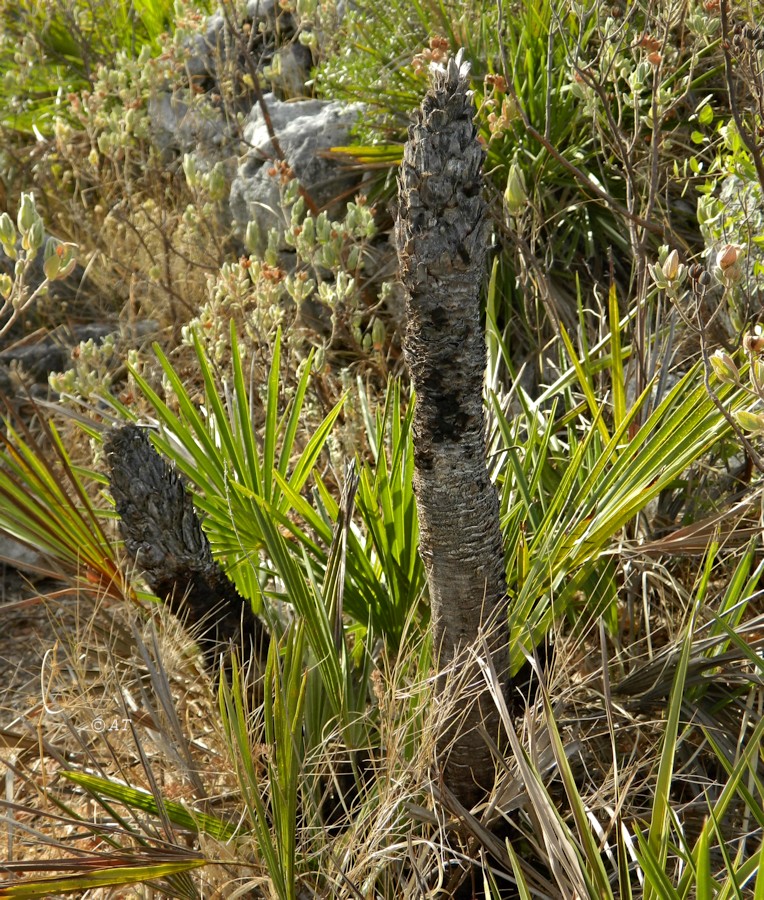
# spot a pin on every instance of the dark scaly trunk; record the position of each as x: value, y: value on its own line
x: 442, y: 235
x: 164, y: 539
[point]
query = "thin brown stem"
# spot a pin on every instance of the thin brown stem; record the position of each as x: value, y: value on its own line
x: 745, y: 135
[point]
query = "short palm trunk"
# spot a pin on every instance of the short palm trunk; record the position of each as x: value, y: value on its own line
x: 442, y: 234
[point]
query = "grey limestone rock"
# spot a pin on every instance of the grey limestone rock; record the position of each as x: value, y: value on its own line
x: 289, y: 70
x: 304, y: 129
x: 259, y: 10
x: 205, y: 49
x: 218, y: 46
x: 21, y: 556
x: 178, y: 127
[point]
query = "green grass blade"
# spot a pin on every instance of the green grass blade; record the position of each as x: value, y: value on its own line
x: 517, y: 871
x: 101, y: 878
x: 133, y: 798
x: 271, y: 419
x: 242, y: 747
x: 587, y: 844
x: 657, y: 883
x: 293, y: 416
x: 242, y: 415
x: 758, y: 890
x: 585, y: 384
x: 617, y: 380
x: 657, y: 838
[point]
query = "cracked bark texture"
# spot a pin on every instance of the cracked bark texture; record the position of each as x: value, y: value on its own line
x: 164, y: 539
x: 442, y: 235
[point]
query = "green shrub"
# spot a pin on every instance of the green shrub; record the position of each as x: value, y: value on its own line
x: 49, y: 50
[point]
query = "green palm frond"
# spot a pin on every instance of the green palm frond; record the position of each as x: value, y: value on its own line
x: 44, y: 504
x: 99, y: 871
x: 177, y: 813
x: 570, y: 483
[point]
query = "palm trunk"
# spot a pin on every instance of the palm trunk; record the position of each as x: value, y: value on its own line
x: 442, y: 234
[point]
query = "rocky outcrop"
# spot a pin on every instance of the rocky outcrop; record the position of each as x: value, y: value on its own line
x: 304, y: 130
x: 281, y: 126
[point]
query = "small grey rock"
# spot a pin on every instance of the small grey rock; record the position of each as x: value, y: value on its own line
x: 303, y: 129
